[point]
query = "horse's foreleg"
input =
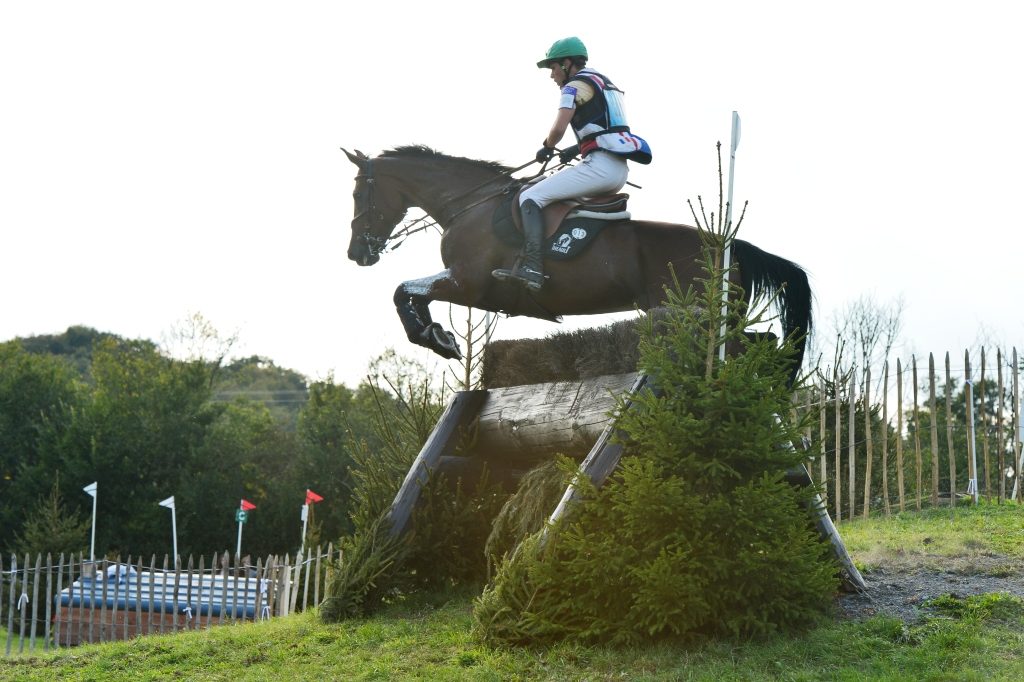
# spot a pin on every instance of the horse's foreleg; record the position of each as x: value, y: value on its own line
x: 412, y: 299
x: 413, y: 313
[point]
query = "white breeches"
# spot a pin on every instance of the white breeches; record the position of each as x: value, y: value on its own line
x: 599, y: 173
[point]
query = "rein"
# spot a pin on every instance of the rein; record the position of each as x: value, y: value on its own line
x: 378, y: 244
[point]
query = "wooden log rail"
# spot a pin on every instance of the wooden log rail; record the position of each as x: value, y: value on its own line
x: 515, y: 425
x: 539, y: 420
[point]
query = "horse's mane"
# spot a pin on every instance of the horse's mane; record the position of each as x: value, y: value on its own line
x: 419, y: 150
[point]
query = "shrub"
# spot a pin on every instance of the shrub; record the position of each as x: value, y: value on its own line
x: 697, y: 532
x: 444, y: 543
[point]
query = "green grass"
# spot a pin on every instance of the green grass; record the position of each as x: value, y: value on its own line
x: 429, y: 637
x: 974, y: 639
x: 941, y: 537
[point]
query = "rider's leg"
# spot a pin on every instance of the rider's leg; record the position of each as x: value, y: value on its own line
x: 599, y: 173
x: 529, y: 268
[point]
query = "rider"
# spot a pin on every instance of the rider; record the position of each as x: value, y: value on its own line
x: 593, y: 106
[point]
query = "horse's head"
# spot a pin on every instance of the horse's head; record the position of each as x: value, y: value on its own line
x: 378, y: 210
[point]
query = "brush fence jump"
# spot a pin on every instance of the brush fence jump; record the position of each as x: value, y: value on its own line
x: 520, y: 425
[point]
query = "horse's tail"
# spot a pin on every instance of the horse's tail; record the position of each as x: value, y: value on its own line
x: 763, y: 273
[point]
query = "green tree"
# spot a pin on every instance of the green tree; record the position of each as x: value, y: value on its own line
x: 244, y: 454
x: 38, y: 397
x: 74, y: 345
x: 698, y: 532
x: 407, y: 405
x: 283, y: 391
x: 334, y: 424
x: 51, y: 528
x: 139, y: 435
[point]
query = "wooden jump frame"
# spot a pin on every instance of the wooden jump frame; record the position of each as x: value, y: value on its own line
x: 536, y: 420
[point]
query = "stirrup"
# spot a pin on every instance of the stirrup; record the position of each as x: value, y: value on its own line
x: 533, y: 279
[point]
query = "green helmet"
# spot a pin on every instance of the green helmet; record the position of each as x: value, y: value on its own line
x: 560, y: 49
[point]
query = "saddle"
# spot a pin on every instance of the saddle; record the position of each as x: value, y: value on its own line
x: 606, y: 207
x: 569, y: 226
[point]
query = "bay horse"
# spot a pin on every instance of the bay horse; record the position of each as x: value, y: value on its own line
x: 626, y: 267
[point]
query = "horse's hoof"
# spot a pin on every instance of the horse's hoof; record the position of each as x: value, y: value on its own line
x: 442, y: 342
x: 453, y: 346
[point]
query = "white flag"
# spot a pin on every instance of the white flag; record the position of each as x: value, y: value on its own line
x: 304, y: 513
x: 91, y: 488
x: 169, y: 502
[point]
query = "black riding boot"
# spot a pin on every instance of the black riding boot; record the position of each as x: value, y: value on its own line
x: 529, y: 269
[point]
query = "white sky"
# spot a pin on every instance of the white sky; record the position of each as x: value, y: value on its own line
x: 160, y: 159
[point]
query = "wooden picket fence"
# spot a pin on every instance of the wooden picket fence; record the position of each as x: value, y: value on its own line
x: 48, y: 605
x: 848, y: 453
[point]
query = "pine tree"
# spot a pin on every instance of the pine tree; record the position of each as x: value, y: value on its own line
x: 51, y: 529
x: 697, y: 532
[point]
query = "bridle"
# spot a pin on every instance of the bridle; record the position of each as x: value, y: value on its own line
x: 374, y: 244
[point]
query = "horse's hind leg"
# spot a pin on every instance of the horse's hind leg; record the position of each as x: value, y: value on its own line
x: 412, y: 300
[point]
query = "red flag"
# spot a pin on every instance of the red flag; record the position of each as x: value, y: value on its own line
x: 312, y: 497
x: 247, y: 505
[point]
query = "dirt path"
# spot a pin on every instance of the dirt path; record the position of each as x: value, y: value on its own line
x: 900, y: 587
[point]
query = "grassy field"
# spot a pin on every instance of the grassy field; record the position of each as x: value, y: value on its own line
x: 429, y: 637
x: 939, y: 538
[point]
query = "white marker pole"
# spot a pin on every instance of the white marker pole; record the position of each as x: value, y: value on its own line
x: 91, y: 489
x: 1018, y: 451
x: 305, y: 519
x: 727, y: 226
x: 972, y: 482
x: 238, y: 549
x: 169, y: 503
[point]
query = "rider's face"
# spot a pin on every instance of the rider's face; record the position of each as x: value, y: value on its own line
x: 558, y: 73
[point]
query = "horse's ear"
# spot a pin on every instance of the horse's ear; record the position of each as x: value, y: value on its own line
x: 358, y: 158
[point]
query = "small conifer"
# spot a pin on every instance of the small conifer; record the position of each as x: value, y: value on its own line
x: 697, y: 533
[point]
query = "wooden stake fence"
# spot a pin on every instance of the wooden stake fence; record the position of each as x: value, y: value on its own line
x: 918, y: 468
x: 899, y: 434
x: 970, y: 437
x: 885, y: 440
x: 949, y: 436
x: 851, y: 443
x: 867, y: 435
x: 839, y: 432
x: 934, y: 430
x: 1018, y: 448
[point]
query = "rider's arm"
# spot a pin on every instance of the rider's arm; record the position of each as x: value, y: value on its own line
x: 574, y: 93
x: 559, y: 126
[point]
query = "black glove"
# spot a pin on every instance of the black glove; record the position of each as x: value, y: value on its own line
x: 569, y: 153
x: 544, y: 153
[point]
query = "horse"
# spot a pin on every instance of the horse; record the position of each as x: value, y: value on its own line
x: 626, y: 267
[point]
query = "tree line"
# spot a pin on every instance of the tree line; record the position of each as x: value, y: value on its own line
x: 85, y: 406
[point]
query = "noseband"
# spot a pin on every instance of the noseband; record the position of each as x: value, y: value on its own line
x: 374, y: 244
